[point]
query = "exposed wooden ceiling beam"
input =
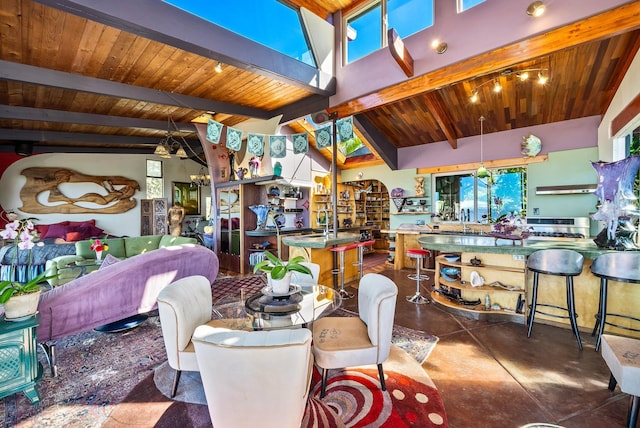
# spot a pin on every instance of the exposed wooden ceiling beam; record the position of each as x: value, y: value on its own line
x: 167, y: 24
x: 613, y: 22
x: 76, y: 137
x: 41, y: 114
x: 437, y: 108
x: 43, y: 76
x: 387, y: 151
x: 500, y: 163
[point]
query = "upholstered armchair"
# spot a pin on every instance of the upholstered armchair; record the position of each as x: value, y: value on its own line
x: 255, y: 378
x: 183, y: 305
x: 354, y: 341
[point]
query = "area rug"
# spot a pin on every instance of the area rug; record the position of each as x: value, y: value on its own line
x: 353, y: 399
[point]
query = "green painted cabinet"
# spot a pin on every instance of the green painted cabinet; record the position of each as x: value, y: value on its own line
x: 19, y: 366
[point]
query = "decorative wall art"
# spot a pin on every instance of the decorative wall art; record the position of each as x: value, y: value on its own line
x: 277, y: 146
x: 187, y: 196
x: 300, y: 143
x: 345, y: 128
x: 61, y: 190
x: 234, y: 139
x: 323, y: 137
x: 214, y: 131
x: 255, y: 144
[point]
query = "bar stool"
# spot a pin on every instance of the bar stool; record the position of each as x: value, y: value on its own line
x: 419, y: 254
x: 361, y: 247
x: 567, y: 263
x: 622, y: 267
x: 340, y: 271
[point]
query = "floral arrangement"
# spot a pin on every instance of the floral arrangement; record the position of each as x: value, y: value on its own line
x: 25, y: 233
x: 24, y: 230
x: 254, y: 166
x: 511, y: 227
x: 98, y: 246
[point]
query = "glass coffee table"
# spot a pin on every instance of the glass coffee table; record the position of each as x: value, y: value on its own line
x: 264, y: 311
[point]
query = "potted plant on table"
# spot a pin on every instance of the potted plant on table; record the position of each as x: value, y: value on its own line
x: 20, y: 299
x: 279, y: 272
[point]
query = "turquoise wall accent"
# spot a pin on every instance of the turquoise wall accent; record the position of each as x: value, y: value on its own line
x: 562, y: 168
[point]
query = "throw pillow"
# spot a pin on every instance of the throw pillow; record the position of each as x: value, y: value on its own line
x: 56, y: 231
x: 108, y: 261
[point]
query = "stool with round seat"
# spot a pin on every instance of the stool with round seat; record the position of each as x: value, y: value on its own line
x: 340, y: 270
x: 361, y: 247
x: 419, y: 254
x: 567, y: 263
x: 621, y: 267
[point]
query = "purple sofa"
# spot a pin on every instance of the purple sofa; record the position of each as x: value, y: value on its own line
x: 126, y: 288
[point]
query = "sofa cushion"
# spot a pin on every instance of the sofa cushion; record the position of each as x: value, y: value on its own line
x: 108, y: 261
x: 169, y: 240
x: 141, y: 244
x: 116, y: 248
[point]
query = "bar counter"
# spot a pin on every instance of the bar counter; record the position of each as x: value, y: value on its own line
x: 505, y: 261
x: 315, y: 248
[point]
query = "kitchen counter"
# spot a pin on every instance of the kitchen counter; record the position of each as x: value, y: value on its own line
x: 321, y: 241
x: 488, y: 244
x: 316, y: 249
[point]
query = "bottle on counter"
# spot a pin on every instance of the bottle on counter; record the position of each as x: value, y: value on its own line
x: 487, y: 302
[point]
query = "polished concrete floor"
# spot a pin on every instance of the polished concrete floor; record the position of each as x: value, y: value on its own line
x: 491, y: 375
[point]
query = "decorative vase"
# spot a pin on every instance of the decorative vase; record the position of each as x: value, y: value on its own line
x: 261, y: 211
x: 21, y: 305
x: 98, y: 256
x: 281, y: 286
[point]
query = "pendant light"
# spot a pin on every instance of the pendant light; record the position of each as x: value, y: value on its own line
x: 482, y: 171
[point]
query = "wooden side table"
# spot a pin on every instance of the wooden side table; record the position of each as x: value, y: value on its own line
x: 19, y: 366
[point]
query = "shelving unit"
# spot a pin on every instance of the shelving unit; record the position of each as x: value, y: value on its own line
x: 502, y: 268
x: 413, y: 205
x: 322, y: 201
x: 372, y: 208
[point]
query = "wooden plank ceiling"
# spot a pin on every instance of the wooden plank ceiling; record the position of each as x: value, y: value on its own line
x: 71, y: 83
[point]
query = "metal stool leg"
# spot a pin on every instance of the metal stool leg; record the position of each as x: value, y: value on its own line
x: 418, y: 298
x: 343, y: 293
x: 572, y: 310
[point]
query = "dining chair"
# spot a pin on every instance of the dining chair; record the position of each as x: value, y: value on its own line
x: 340, y: 342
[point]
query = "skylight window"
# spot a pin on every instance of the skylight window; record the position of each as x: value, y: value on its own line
x: 268, y: 22
x: 467, y: 4
x: 366, y: 28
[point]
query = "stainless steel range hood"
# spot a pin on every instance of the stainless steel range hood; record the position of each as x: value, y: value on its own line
x: 569, y: 189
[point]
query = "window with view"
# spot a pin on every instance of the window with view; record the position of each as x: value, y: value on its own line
x: 365, y: 30
x: 467, y: 198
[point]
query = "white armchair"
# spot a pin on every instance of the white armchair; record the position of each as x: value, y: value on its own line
x: 183, y: 305
x: 255, y: 378
x: 353, y: 341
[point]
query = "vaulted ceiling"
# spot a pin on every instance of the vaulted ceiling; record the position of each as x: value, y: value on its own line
x: 76, y: 77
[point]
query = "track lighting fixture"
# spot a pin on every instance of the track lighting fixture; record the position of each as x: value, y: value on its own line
x: 218, y: 67
x: 522, y: 75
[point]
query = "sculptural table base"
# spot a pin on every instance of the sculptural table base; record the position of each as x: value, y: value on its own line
x: 123, y: 324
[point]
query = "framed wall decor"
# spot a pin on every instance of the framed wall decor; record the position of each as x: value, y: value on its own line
x: 188, y: 196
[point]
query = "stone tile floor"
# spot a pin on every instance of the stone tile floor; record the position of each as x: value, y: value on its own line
x: 491, y: 375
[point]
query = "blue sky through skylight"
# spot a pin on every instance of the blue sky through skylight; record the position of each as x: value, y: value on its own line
x: 267, y: 22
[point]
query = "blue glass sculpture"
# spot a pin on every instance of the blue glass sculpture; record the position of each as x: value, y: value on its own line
x: 261, y: 211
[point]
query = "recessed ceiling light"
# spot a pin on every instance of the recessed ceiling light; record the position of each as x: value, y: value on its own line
x: 536, y: 9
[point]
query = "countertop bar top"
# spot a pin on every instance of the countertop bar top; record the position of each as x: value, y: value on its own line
x: 488, y: 244
x: 320, y: 241
x: 274, y: 232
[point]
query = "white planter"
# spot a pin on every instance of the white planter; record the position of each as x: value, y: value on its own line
x: 281, y: 286
x: 21, y: 305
